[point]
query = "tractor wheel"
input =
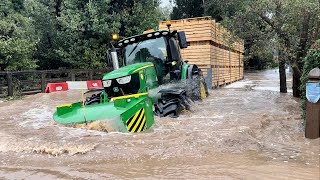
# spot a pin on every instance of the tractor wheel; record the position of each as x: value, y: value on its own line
x: 171, y: 109
x: 94, y: 99
x: 197, y: 88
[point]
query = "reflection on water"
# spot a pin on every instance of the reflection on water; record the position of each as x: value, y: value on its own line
x: 244, y: 131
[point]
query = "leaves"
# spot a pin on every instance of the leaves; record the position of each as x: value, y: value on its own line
x: 17, y: 40
x: 312, y: 60
x: 50, y: 34
x: 187, y: 9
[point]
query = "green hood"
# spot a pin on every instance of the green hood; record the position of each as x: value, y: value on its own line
x: 126, y: 70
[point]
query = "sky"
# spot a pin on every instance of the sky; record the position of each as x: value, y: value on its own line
x: 164, y: 3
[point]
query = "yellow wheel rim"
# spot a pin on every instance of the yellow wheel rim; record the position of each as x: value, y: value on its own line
x: 203, y: 93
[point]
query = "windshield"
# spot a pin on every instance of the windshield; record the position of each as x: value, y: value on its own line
x: 152, y: 50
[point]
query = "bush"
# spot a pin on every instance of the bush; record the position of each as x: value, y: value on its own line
x: 311, y: 61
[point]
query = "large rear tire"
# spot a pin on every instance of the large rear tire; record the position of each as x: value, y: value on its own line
x: 196, y: 86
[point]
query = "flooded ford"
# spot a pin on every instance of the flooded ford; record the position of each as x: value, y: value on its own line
x: 246, y: 130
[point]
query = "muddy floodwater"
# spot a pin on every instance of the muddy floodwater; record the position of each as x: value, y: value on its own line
x: 246, y: 130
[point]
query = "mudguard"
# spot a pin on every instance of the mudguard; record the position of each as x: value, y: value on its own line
x: 172, y: 102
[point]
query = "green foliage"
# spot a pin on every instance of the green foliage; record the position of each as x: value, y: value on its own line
x: 289, y: 25
x: 220, y: 10
x: 311, y: 61
x: 86, y: 28
x: 238, y: 17
x: 83, y: 33
x: 45, y: 18
x: 144, y: 15
x: 16, y: 37
x: 50, y: 34
x: 187, y: 9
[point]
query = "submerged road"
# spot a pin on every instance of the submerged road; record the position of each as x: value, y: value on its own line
x: 246, y: 130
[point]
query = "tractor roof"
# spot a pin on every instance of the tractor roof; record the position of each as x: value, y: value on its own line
x: 142, y: 37
x: 127, y: 70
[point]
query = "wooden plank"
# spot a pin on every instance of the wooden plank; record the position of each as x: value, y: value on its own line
x: 31, y: 92
x: 43, y: 82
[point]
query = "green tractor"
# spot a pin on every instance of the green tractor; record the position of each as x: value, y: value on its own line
x: 154, y: 80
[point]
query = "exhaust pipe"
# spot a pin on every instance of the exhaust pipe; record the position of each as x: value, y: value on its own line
x: 114, y: 57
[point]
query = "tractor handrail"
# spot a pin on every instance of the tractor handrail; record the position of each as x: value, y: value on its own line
x: 129, y: 96
x: 144, y: 67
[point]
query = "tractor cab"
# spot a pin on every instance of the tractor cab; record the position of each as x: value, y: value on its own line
x: 162, y: 48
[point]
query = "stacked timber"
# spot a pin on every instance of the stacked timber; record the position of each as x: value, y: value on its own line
x: 211, y: 46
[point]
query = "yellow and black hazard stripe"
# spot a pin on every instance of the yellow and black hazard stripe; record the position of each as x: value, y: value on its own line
x: 137, y: 122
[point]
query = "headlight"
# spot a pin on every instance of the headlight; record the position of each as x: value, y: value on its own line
x: 124, y: 80
x: 107, y: 83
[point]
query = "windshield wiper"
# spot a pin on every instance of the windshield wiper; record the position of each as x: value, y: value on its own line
x: 134, y: 48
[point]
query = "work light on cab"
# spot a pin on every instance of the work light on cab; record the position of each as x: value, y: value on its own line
x: 115, y: 37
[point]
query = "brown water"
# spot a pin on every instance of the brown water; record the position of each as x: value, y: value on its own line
x: 246, y: 130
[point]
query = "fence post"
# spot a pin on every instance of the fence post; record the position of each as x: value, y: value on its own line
x: 0, y: 88
x: 10, y: 84
x: 90, y: 74
x: 73, y: 76
x: 230, y: 68
x: 312, y: 125
x: 239, y: 65
x: 43, y: 81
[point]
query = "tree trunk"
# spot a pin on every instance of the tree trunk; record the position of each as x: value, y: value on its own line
x: 296, y: 83
x: 301, y: 53
x: 57, y: 7
x: 282, y: 36
x: 282, y: 73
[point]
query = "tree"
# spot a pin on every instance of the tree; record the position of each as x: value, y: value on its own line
x: 187, y: 9
x: 143, y: 15
x: 76, y: 34
x: 85, y: 30
x: 220, y: 10
x: 295, y: 24
x: 312, y: 60
x: 259, y: 42
x: 46, y: 13
x: 166, y: 12
x: 17, y: 41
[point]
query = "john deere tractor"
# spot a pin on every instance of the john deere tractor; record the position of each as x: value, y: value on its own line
x: 153, y: 80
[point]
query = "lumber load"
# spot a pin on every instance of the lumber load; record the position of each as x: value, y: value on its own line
x: 210, y: 45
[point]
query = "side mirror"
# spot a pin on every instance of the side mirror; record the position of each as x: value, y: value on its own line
x: 182, y: 40
x: 173, y: 50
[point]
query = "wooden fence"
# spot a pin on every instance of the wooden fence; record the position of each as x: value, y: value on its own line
x: 32, y: 82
